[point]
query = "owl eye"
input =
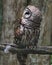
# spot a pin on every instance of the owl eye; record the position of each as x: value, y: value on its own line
x: 27, y: 13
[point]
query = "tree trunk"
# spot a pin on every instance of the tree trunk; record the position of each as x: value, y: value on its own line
x: 9, y: 16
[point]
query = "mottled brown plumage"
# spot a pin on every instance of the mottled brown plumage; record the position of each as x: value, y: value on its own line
x: 27, y: 34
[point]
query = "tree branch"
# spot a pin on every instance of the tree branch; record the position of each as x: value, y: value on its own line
x: 38, y: 50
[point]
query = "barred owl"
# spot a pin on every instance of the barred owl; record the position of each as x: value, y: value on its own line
x: 27, y: 34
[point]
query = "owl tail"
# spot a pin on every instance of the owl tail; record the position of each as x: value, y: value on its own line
x: 22, y: 58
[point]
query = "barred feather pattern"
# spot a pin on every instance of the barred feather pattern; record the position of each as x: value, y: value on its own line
x: 28, y: 39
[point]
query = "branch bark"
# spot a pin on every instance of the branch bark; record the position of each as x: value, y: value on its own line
x: 39, y: 50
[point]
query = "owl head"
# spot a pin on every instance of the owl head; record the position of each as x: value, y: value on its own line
x: 31, y: 17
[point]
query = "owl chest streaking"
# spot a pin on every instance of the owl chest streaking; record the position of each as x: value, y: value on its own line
x: 27, y: 38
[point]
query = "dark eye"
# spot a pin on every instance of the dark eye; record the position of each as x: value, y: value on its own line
x: 27, y: 13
